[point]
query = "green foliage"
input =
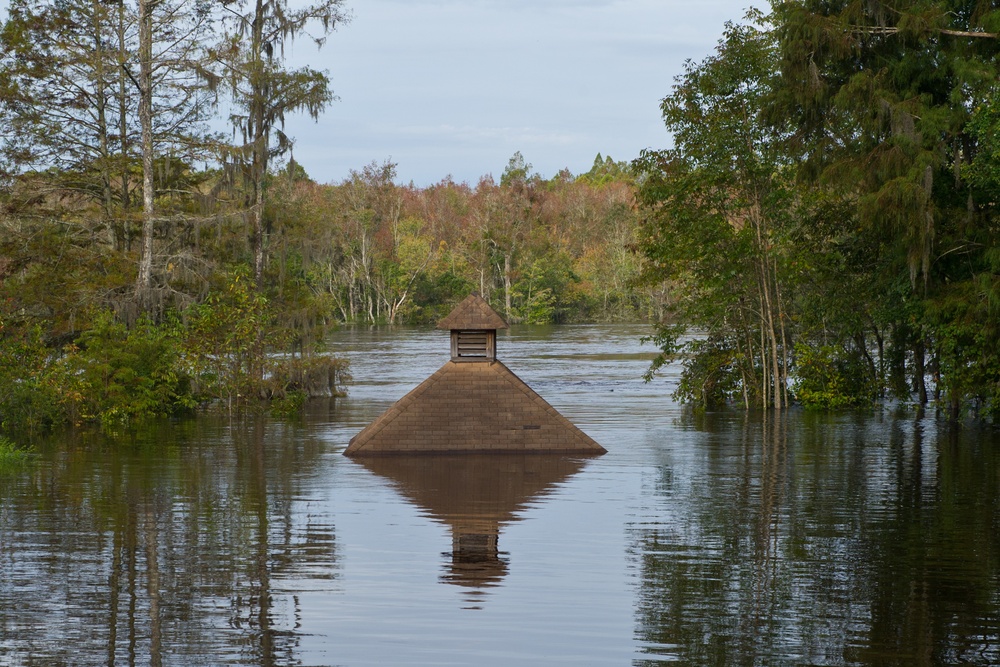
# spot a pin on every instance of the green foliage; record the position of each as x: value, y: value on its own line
x: 224, y: 341
x: 119, y: 375
x: 828, y: 210
x: 711, y: 373
x: 541, y: 291
x: 826, y: 379
x: 225, y: 350
x: 11, y: 456
x: 288, y: 405
x: 30, y: 401
x: 605, y: 170
x: 983, y: 173
x: 516, y: 173
x: 894, y: 110
x: 716, y: 221
x: 966, y: 328
x: 668, y: 340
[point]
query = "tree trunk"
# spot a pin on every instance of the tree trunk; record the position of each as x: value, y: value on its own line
x: 919, y: 371
x: 101, y: 100
x: 506, y: 286
x: 123, y: 130
x: 145, y: 278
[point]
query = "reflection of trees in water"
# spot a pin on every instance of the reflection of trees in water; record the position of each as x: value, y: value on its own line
x: 184, y: 548
x: 809, y: 539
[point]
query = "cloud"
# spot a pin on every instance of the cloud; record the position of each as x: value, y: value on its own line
x: 449, y: 86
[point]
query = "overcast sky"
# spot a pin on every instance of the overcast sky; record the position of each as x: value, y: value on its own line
x: 455, y: 87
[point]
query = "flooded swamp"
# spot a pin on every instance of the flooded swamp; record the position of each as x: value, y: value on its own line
x: 716, y: 539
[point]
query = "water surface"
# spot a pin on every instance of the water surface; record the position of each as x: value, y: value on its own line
x: 798, y: 539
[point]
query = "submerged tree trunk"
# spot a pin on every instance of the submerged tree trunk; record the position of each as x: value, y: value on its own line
x: 919, y: 371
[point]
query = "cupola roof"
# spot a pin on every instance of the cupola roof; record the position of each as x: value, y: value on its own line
x: 474, y: 313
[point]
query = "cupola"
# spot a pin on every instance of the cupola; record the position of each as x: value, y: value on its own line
x: 473, y: 325
x: 473, y: 403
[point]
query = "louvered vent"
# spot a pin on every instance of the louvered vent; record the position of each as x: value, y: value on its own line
x: 473, y: 345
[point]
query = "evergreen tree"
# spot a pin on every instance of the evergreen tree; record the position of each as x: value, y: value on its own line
x: 263, y: 90
x: 882, y: 95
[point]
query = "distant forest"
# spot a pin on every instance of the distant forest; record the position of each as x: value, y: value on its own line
x: 825, y: 220
x: 149, y: 264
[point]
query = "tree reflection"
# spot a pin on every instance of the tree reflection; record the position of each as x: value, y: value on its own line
x: 187, y: 542
x: 809, y: 539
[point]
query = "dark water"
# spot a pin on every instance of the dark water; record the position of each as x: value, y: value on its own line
x: 718, y: 540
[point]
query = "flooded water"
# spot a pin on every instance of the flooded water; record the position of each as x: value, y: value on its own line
x: 799, y: 539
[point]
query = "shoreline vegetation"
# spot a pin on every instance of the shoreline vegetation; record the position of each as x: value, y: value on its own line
x: 826, y: 217
x: 77, y: 345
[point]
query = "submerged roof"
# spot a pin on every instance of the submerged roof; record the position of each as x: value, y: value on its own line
x: 473, y: 313
x: 480, y: 407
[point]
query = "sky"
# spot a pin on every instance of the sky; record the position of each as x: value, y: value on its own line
x: 454, y: 87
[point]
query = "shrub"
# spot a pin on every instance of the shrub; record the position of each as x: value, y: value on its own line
x: 12, y: 456
x: 827, y: 378
x: 30, y: 399
x: 117, y: 375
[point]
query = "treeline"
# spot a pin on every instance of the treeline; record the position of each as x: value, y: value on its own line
x: 828, y: 213
x: 149, y: 264
x: 77, y: 345
x: 366, y: 250
x: 556, y: 250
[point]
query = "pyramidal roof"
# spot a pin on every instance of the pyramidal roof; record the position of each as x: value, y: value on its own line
x: 473, y: 313
x: 472, y: 407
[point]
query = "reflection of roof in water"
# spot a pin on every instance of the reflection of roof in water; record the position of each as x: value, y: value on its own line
x: 473, y: 494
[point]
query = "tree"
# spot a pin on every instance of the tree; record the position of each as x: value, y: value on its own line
x: 716, y: 206
x: 262, y: 90
x: 173, y: 83
x: 882, y: 96
x: 60, y: 75
x: 87, y: 84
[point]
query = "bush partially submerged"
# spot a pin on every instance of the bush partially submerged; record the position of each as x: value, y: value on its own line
x: 215, y: 352
x: 12, y: 456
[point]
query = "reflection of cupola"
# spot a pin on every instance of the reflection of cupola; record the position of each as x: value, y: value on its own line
x: 475, y: 495
x: 472, y: 407
x: 473, y: 325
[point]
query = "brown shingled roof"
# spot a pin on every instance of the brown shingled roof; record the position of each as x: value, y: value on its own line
x: 472, y: 407
x: 473, y: 313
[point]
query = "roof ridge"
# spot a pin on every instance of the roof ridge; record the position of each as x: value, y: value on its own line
x: 396, y: 409
x: 526, y: 389
x: 475, y: 313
